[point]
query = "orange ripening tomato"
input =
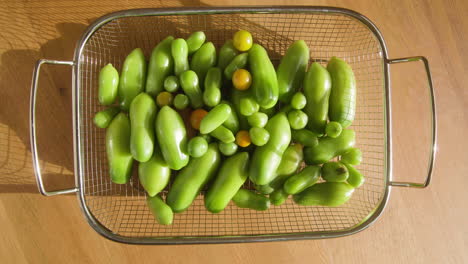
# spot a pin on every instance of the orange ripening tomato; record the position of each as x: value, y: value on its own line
x: 243, y: 138
x: 196, y: 117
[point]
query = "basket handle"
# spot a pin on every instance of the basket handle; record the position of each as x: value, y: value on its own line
x: 433, y: 125
x: 32, y: 123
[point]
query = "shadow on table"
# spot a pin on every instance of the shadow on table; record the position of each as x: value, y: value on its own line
x: 53, y: 109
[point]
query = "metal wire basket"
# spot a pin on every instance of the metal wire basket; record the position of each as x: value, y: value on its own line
x: 119, y: 212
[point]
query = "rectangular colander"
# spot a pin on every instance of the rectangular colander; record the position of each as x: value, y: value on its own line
x: 120, y: 213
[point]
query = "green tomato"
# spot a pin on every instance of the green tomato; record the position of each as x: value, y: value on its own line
x: 333, y: 129
x: 334, y: 172
x: 298, y: 101
x: 297, y: 119
x: 197, y: 147
x: 181, y: 101
x: 352, y: 156
x: 325, y: 194
x: 259, y: 136
x: 228, y: 149
x: 171, y: 84
x: 248, y: 199
x: 161, y: 211
x: 215, y: 118
x: 195, y: 41
x: 258, y: 119
x: 108, y: 84
x: 248, y: 106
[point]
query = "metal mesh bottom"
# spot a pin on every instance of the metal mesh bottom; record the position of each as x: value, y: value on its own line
x: 122, y: 208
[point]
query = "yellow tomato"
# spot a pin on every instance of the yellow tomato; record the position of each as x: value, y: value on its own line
x: 243, y: 138
x: 241, y: 79
x: 242, y: 40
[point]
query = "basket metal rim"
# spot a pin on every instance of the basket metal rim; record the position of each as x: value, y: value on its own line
x: 78, y: 167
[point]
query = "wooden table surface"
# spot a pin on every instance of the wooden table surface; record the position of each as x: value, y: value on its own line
x: 418, y: 226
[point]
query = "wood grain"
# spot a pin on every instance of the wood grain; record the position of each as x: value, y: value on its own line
x: 418, y: 226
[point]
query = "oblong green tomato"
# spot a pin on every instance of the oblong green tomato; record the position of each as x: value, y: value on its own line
x: 118, y: 152
x: 179, y: 51
x: 195, y: 41
x: 132, y: 78
x: 305, y: 137
x: 172, y: 137
x: 300, y: 181
x: 161, y: 211
x: 317, y: 86
x: 325, y: 194
x: 232, y: 123
x: 223, y: 134
x: 292, y: 69
x: 212, y: 89
x: 342, y: 106
x: 215, y: 118
x: 231, y: 177
x: 238, y: 62
x: 267, y: 158
x: 154, y: 174
x: 108, y: 84
x: 247, y: 199
x: 264, y: 82
x: 226, y: 54
x: 142, y: 115
x: 191, y: 87
x: 161, y: 65
x: 202, y: 60
x: 190, y: 180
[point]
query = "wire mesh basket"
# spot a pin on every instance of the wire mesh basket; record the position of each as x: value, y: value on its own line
x: 120, y: 213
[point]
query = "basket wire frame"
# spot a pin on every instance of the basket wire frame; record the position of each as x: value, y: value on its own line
x: 122, y: 208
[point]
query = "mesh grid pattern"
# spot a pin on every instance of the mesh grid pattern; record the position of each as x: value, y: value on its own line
x: 122, y: 208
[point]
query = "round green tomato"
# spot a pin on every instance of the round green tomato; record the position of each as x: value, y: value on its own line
x: 228, y: 149
x: 171, y: 84
x: 181, y: 101
x: 352, y: 156
x: 259, y: 136
x: 297, y: 119
x: 197, y: 147
x: 298, y: 101
x: 258, y: 119
x: 333, y: 129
